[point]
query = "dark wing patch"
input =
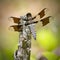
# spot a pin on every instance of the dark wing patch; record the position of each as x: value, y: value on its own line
x: 42, y: 13
x: 15, y: 19
x: 45, y: 21
x: 17, y: 27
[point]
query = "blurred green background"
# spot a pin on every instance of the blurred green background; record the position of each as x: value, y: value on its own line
x: 48, y: 37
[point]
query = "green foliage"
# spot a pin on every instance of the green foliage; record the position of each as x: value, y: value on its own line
x: 47, y: 40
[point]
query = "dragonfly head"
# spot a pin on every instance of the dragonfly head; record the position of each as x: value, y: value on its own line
x: 29, y: 16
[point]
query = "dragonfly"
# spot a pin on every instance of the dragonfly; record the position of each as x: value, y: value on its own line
x: 19, y: 26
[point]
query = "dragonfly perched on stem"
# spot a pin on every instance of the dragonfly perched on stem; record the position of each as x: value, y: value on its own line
x: 25, y: 25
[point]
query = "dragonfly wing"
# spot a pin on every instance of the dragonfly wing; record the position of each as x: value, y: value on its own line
x: 45, y: 21
x: 42, y: 13
x: 15, y: 19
